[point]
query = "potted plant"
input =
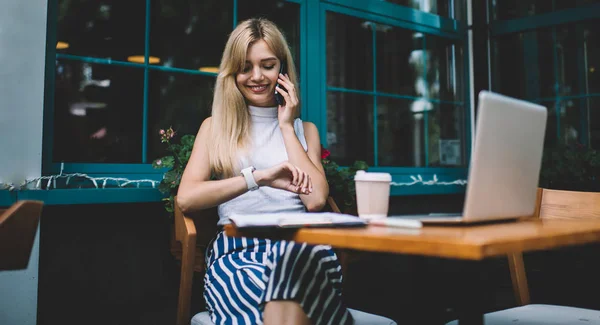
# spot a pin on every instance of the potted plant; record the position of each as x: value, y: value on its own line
x: 571, y: 167
x: 175, y: 162
x: 341, y: 181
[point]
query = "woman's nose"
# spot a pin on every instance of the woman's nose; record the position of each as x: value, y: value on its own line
x: 257, y: 74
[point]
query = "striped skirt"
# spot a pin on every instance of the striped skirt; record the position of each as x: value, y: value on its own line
x: 244, y: 274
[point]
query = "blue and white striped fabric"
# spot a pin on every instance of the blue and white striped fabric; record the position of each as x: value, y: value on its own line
x: 244, y: 274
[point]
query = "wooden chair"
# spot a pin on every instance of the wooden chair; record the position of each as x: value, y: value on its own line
x: 551, y: 204
x: 192, y: 236
x: 18, y: 225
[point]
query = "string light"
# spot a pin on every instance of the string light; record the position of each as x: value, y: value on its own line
x: 416, y: 180
x: 102, y: 182
x: 98, y: 182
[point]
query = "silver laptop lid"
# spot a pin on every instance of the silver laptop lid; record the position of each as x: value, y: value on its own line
x: 506, y: 159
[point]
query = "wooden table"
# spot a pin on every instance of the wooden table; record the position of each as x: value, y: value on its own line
x: 465, y: 242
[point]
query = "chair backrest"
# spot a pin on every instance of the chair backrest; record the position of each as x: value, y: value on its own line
x: 553, y: 204
x: 18, y: 226
x: 556, y: 204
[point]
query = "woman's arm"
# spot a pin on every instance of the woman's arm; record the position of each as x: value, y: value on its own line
x: 309, y: 162
x: 196, y: 190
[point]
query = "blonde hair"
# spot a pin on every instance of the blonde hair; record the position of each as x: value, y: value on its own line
x: 230, y: 123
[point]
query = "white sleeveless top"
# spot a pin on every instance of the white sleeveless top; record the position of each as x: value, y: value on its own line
x: 267, y: 150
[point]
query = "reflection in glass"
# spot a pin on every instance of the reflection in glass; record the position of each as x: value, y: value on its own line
x: 190, y: 34
x: 106, y: 29
x: 350, y: 127
x: 400, y: 133
x: 97, y: 113
x: 567, y: 72
x: 445, y: 8
x: 591, y: 35
x: 285, y: 15
x: 446, y: 138
x: 594, y: 121
x: 443, y: 69
x: 349, y: 52
x: 564, y: 115
x: 399, y: 52
x: 177, y: 100
x: 524, y: 65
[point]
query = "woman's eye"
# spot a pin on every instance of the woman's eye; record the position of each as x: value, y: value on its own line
x: 269, y: 67
x: 246, y: 69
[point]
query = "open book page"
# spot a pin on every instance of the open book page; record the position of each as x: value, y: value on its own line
x: 296, y: 220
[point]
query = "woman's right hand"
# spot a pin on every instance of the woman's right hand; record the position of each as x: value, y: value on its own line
x: 285, y: 176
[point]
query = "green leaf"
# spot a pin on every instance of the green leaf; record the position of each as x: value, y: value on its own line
x: 188, y: 140
x: 164, y: 162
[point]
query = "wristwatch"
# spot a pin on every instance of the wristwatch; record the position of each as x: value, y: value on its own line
x: 249, y: 177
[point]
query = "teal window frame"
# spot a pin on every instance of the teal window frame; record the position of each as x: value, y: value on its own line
x: 312, y: 81
x: 552, y: 20
x: 402, y: 17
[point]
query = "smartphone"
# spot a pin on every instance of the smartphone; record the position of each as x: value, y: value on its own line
x: 278, y: 96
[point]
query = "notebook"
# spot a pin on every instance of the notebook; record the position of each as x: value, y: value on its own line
x: 296, y: 220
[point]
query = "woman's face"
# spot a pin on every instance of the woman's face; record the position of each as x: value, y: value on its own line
x: 259, y: 76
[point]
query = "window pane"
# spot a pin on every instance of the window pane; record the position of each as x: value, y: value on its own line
x: 190, y: 34
x: 349, y: 52
x: 539, y: 64
x: 509, y: 9
x: 177, y: 100
x: 403, y: 124
x: 446, y: 135
x: 399, y: 58
x: 446, y: 8
x: 400, y: 133
x: 443, y: 68
x: 591, y: 32
x: 567, y: 70
x: 524, y: 65
x: 594, y: 121
x: 285, y: 15
x: 107, y: 29
x: 97, y: 113
x: 350, y: 127
x: 569, y: 121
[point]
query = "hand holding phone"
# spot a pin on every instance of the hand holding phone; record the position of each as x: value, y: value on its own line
x: 278, y: 96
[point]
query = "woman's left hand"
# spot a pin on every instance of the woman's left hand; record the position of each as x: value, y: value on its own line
x: 287, y: 112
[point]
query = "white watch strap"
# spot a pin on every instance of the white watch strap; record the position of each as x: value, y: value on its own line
x: 249, y: 177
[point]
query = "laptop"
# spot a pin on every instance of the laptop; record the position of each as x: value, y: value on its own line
x: 505, y: 162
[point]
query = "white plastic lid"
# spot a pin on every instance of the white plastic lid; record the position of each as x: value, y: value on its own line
x: 361, y: 175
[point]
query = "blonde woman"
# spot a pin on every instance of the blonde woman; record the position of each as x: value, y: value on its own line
x: 266, y: 160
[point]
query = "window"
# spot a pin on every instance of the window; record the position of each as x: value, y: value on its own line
x: 556, y: 67
x: 394, y: 95
x: 109, y: 102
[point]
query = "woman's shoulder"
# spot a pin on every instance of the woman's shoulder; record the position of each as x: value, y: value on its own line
x: 310, y: 129
x: 205, y: 127
x: 308, y: 125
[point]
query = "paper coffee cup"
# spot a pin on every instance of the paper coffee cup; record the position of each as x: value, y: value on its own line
x: 372, y: 194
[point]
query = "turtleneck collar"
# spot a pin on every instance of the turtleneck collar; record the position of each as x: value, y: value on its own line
x: 268, y: 112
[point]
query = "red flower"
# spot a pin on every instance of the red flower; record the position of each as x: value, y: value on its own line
x: 324, y: 153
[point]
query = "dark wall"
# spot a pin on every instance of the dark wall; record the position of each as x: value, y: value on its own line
x: 106, y: 264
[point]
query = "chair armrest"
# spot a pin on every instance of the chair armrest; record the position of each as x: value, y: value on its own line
x: 333, y: 205
x: 185, y: 233
x: 18, y: 226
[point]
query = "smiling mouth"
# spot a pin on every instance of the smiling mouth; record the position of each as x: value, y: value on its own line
x: 258, y: 89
